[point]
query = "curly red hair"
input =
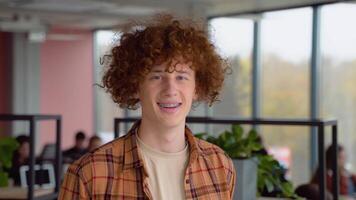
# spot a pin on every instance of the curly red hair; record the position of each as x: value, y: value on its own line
x: 166, y: 40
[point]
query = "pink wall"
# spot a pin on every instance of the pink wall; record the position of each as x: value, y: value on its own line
x: 5, y: 78
x: 66, y: 85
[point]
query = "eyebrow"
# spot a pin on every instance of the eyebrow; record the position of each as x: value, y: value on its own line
x: 156, y: 71
x: 163, y: 71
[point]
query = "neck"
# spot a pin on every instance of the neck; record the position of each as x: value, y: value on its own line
x: 160, y: 138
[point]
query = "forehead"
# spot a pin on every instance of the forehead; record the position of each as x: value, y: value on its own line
x: 178, y: 67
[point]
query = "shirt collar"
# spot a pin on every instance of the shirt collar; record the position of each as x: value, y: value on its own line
x: 132, y: 157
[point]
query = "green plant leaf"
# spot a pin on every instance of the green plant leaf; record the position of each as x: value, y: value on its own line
x: 256, y: 146
x: 269, y: 171
x: 7, y: 146
x: 253, y: 134
x: 269, y: 185
x: 287, y: 189
x: 237, y: 131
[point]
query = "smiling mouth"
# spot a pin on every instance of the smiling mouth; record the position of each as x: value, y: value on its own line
x: 169, y: 105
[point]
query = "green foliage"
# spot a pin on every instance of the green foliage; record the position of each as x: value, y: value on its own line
x: 270, y: 177
x: 7, y: 147
x: 233, y: 142
x: 269, y: 172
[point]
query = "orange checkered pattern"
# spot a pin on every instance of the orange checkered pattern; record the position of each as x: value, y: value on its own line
x: 116, y: 171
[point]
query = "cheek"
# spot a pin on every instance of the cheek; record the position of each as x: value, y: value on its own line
x: 24, y: 150
x: 147, y: 95
x: 342, y: 158
x: 190, y: 94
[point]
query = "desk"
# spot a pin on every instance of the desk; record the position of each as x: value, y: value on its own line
x: 21, y: 193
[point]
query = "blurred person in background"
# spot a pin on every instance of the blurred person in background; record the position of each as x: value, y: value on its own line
x: 347, y: 180
x: 20, y: 157
x: 311, y: 192
x: 77, y: 150
x: 94, y: 143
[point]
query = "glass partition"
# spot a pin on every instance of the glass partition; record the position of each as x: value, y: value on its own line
x: 338, y: 50
x: 233, y: 37
x: 285, y: 49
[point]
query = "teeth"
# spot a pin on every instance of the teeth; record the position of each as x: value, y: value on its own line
x: 169, y: 105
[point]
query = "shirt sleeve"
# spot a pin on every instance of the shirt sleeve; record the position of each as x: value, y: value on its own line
x: 73, y: 186
x: 232, y: 179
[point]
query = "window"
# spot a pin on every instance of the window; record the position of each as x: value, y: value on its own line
x: 285, y: 48
x: 233, y: 38
x: 105, y: 109
x: 338, y: 66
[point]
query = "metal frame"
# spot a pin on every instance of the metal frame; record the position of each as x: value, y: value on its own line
x: 318, y: 124
x: 32, y: 119
x: 256, y: 71
x: 258, y: 11
x: 315, y: 82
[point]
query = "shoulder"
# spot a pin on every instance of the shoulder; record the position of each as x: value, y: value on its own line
x: 208, y: 149
x: 91, y: 173
x: 217, y: 162
x: 215, y: 154
x: 69, y: 150
x: 91, y: 163
x: 207, y: 146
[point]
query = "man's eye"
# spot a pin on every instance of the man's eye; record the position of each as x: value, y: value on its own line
x: 182, y: 78
x: 155, y: 77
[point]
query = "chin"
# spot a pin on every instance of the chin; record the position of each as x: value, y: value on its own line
x: 172, y: 122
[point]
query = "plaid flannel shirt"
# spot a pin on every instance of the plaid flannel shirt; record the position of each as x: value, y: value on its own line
x: 116, y: 171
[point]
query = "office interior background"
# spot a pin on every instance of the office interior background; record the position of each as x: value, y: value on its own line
x: 290, y: 59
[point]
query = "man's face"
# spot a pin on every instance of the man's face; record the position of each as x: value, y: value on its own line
x: 24, y: 150
x: 166, y: 98
x: 80, y: 144
x: 342, y: 158
x: 94, y: 144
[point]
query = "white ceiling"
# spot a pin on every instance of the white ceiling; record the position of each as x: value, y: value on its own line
x: 97, y: 14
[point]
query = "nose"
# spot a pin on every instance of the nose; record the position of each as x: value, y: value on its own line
x: 170, y: 87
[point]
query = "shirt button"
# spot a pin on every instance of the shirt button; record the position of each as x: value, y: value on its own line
x: 187, y: 181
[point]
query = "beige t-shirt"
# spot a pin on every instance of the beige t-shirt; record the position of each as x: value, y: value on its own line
x: 165, y: 170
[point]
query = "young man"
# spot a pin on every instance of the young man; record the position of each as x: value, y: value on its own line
x: 164, y: 66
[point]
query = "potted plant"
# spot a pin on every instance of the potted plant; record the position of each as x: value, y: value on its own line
x: 257, y: 172
x: 271, y: 178
x: 7, y: 147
